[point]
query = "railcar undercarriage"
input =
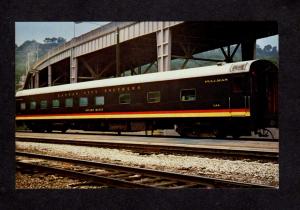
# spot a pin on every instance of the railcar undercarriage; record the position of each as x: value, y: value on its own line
x: 219, y: 128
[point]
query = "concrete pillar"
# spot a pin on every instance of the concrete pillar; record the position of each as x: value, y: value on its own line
x: 163, y: 40
x: 49, y: 75
x: 73, y: 67
x: 248, y: 50
x: 36, y: 80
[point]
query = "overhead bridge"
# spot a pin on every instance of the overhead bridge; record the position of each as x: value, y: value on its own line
x: 127, y: 48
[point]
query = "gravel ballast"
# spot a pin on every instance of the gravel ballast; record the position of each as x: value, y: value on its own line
x: 238, y: 170
x: 50, y: 181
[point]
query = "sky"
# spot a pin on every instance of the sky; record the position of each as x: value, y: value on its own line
x: 40, y: 30
x: 272, y: 40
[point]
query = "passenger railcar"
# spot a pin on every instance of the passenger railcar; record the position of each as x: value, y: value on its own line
x: 225, y: 99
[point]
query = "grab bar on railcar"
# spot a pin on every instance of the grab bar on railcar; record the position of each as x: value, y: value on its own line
x: 247, y: 103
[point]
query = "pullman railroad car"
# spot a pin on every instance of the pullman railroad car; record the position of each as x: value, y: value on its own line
x: 228, y: 99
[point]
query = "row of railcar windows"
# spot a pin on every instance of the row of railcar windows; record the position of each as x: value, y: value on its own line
x: 124, y: 98
x: 83, y: 101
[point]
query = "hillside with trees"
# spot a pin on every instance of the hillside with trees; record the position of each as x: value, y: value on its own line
x: 27, y: 53
x: 268, y: 52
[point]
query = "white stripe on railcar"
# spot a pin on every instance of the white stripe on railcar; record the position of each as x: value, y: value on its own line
x: 227, y: 68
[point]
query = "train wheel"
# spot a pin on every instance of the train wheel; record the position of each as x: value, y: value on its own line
x: 49, y: 130
x: 220, y: 134
x: 63, y: 130
x: 184, y: 135
x: 194, y: 134
x: 236, y: 135
x: 38, y: 130
x: 182, y: 132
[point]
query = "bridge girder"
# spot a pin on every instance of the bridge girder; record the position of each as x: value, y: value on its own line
x: 146, y: 47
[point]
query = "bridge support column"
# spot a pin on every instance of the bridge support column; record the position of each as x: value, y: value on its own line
x: 31, y: 82
x: 163, y: 40
x: 36, y: 80
x: 118, y: 71
x: 73, y: 68
x: 248, y: 50
x: 49, y: 75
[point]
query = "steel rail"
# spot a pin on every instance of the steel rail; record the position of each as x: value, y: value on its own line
x: 108, y: 181
x: 154, y: 135
x: 185, y: 180
x: 154, y: 148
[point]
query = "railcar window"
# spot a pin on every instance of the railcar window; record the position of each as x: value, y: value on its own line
x: 153, y: 97
x: 55, y: 103
x: 188, y: 95
x: 124, y: 98
x: 43, y: 104
x: 83, y: 101
x: 32, y: 105
x: 99, y: 100
x: 23, y: 106
x: 69, y: 102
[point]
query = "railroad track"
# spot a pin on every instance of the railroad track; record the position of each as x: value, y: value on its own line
x: 144, y: 148
x: 121, y: 176
x: 155, y: 135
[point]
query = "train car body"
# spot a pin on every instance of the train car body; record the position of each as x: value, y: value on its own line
x: 227, y: 99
